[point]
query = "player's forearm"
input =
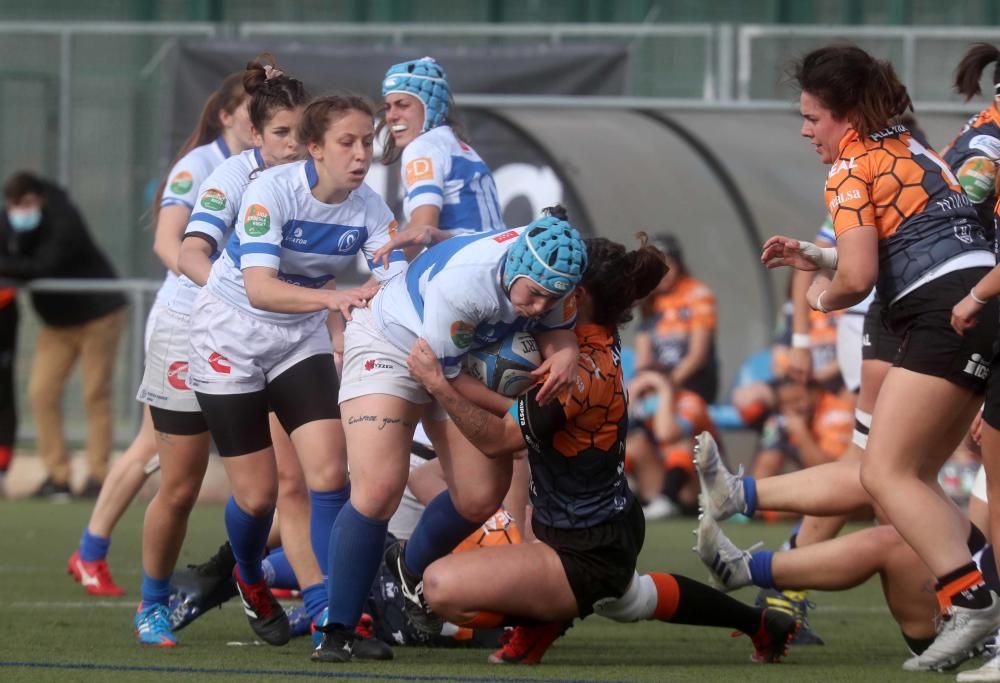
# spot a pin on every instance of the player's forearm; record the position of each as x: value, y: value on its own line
x: 483, y: 429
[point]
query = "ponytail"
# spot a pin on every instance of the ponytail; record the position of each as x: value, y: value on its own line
x: 270, y: 90
x: 970, y: 69
x: 616, y: 278
x: 227, y: 98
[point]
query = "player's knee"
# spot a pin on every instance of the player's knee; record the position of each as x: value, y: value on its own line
x: 258, y: 502
x: 436, y: 588
x: 181, y: 497
x: 291, y: 483
x: 376, y: 499
x: 329, y: 476
x: 873, y: 476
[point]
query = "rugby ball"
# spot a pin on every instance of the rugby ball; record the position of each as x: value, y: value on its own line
x: 505, y: 366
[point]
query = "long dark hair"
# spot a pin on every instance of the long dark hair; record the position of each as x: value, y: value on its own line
x: 390, y: 154
x: 227, y: 98
x: 854, y: 85
x: 268, y: 95
x: 616, y: 278
x: 970, y: 69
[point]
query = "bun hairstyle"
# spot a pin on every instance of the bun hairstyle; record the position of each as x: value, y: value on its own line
x: 970, y: 69
x: 227, y: 99
x: 323, y: 111
x: 617, y: 278
x: 270, y: 90
x: 853, y: 85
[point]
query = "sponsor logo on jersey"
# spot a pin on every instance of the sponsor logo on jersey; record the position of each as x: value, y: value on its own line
x: 348, y: 241
x: 177, y: 375
x: 257, y: 221
x: 977, y: 367
x: 844, y: 197
x: 976, y: 177
x: 297, y: 237
x: 213, y: 200
x: 842, y: 165
x: 509, y: 235
x: 462, y: 334
x: 219, y: 363
x: 419, y: 169
x: 181, y: 183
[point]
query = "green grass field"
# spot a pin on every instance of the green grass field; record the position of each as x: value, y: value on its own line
x: 50, y: 630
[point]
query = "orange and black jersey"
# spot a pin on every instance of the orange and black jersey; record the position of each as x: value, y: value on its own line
x: 973, y: 156
x: 576, y: 445
x: 909, y: 194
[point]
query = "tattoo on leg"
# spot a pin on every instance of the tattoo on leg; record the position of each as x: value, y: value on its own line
x: 394, y: 421
x: 357, y: 419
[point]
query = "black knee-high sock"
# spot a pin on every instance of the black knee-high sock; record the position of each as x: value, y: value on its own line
x: 701, y: 605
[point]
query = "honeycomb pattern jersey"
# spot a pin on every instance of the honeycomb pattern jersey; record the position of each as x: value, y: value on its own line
x: 908, y: 193
x: 972, y: 157
x: 576, y: 445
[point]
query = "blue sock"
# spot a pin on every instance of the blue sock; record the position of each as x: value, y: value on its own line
x: 248, y: 537
x: 324, y: 508
x: 93, y: 547
x: 760, y: 569
x: 357, y: 544
x: 278, y: 571
x: 439, y: 530
x: 155, y: 590
x: 314, y: 600
x: 750, y: 495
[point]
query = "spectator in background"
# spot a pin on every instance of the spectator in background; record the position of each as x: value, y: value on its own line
x: 677, y: 333
x: 8, y: 407
x: 659, y: 449
x: 43, y: 235
x: 811, y: 426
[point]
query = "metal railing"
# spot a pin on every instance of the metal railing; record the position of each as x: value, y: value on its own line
x: 139, y: 294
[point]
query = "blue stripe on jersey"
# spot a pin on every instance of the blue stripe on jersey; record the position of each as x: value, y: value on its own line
x: 329, y: 239
x: 304, y: 280
x: 171, y: 201
x: 223, y: 147
x: 426, y: 189
x: 434, y: 259
x: 258, y: 158
x: 394, y: 257
x: 311, y: 176
x: 210, y: 219
x: 236, y: 250
x: 478, y: 207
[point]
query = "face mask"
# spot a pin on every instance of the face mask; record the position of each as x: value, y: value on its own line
x: 24, y: 220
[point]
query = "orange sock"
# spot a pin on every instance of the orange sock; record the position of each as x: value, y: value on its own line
x: 484, y: 620
x: 952, y: 586
x: 668, y: 595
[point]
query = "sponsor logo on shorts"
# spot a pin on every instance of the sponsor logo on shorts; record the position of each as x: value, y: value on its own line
x: 509, y: 235
x: 257, y: 221
x: 177, y: 375
x: 977, y: 367
x: 866, y: 340
x: 373, y: 364
x: 213, y: 200
x: 219, y: 363
x: 181, y: 183
x: 462, y: 334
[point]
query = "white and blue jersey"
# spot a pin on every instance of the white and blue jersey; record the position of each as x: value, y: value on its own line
x: 440, y: 170
x: 282, y: 226
x: 183, y: 183
x: 452, y: 296
x: 827, y: 234
x: 215, y: 214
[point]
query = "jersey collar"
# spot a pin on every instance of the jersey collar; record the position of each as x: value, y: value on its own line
x: 311, y: 176
x: 258, y: 157
x: 223, y: 147
x: 595, y: 334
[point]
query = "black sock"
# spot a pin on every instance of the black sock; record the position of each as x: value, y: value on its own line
x: 701, y: 605
x: 988, y: 566
x: 793, y: 541
x: 973, y: 595
x: 917, y: 645
x: 977, y: 539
